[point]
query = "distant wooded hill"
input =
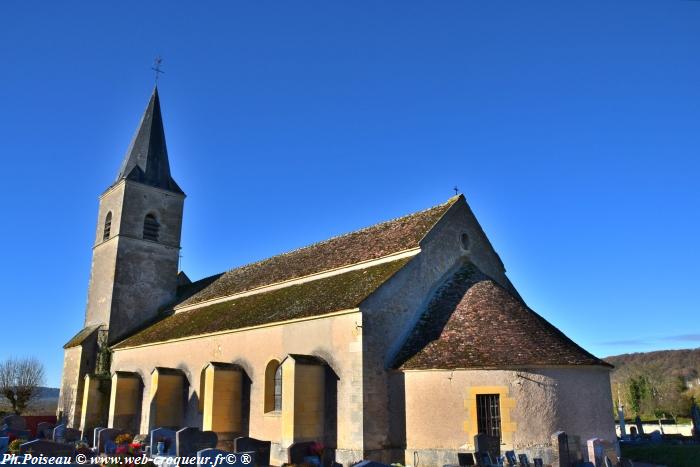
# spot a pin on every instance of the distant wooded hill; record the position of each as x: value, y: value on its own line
x: 45, y: 404
x: 656, y: 383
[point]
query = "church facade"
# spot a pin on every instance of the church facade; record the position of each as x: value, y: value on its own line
x: 398, y: 342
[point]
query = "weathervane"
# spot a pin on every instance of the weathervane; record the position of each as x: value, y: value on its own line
x: 156, y: 67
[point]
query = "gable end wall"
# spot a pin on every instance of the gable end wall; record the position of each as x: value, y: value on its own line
x: 390, y: 313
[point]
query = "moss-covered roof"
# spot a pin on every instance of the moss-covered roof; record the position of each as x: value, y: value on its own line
x: 317, y: 297
x: 80, y: 337
x: 472, y: 322
x: 363, y: 245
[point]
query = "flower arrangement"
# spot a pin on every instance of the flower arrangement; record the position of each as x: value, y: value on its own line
x: 124, y: 438
x: 13, y: 447
x: 81, y: 447
x: 135, y: 448
x: 316, y: 449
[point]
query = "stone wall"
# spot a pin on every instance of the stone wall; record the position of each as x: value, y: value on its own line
x: 78, y: 361
x: 534, y: 404
x: 390, y: 314
x: 336, y: 340
x: 104, y: 257
x: 146, y: 271
x: 132, y: 278
x: 71, y: 393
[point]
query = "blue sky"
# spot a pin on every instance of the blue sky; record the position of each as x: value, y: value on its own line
x: 572, y: 128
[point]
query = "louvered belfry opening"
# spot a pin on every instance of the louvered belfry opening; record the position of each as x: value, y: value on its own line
x: 150, y: 228
x: 108, y: 227
x: 488, y: 414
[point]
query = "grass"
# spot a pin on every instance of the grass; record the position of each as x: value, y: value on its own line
x: 665, y: 454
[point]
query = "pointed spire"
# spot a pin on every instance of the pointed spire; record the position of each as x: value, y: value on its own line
x: 146, y: 160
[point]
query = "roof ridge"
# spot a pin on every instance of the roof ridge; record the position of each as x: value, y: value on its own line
x: 314, y: 276
x: 450, y: 201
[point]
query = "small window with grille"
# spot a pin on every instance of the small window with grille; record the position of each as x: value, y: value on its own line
x: 488, y: 414
x: 107, y: 227
x: 150, y: 228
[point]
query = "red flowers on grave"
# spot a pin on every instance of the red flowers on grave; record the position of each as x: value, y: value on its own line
x: 316, y: 449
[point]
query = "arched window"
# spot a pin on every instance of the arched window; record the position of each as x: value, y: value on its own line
x: 278, y: 388
x: 273, y: 386
x: 108, y: 226
x: 150, y: 228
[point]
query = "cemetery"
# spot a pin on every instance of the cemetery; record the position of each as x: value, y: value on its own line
x: 192, y: 446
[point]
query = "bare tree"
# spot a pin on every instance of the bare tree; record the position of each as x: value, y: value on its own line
x: 20, y: 379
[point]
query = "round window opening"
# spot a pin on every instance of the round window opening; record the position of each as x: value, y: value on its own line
x: 465, y: 241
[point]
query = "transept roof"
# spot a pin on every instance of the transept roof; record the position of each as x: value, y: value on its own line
x: 472, y: 322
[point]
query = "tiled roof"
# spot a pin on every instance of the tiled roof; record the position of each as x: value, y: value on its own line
x: 338, y: 292
x: 363, y: 245
x: 80, y: 337
x: 472, y: 322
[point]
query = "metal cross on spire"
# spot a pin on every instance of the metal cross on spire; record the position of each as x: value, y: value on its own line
x: 156, y: 67
x: 456, y: 190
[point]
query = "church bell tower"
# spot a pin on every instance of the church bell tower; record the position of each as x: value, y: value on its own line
x: 134, y: 269
x: 137, y: 242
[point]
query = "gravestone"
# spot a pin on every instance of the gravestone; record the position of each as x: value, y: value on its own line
x: 560, y: 444
x: 46, y: 448
x: 298, y: 451
x: 465, y: 458
x: 44, y: 430
x: 165, y: 435
x: 483, y: 458
x: 621, y: 419
x: 695, y: 418
x: 640, y: 427
x: 510, y: 458
x: 259, y: 447
x: 655, y: 437
x: 189, y: 441
x: 486, y: 443
x: 538, y: 462
x: 16, y: 434
x: 59, y: 433
x: 575, y: 452
x: 105, y: 440
x: 71, y: 435
x: 217, y: 457
x: 94, y: 435
x: 596, y: 452
x: 522, y: 458
x: 14, y: 422
x: 610, y: 451
x: 4, y: 443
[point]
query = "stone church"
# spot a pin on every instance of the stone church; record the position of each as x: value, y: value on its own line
x: 397, y: 342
